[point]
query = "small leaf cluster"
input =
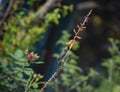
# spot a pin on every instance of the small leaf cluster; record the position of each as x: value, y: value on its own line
x: 58, y: 13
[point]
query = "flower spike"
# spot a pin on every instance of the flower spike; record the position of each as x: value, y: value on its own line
x: 80, y: 28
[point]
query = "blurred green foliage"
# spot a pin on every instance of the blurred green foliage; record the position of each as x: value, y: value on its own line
x: 72, y: 78
x: 21, y: 31
x: 18, y: 76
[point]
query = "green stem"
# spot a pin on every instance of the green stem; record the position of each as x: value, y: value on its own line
x: 27, y: 85
x: 110, y: 76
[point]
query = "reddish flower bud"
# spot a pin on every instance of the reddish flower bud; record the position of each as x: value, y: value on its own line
x: 30, y: 56
x: 0, y: 46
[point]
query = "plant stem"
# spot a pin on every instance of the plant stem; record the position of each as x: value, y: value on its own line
x: 64, y: 54
x: 110, y: 70
x: 82, y: 25
x: 51, y: 78
x: 27, y: 85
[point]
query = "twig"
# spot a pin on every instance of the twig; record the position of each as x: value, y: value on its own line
x: 11, y: 2
x: 64, y: 52
x: 80, y: 28
x: 87, y: 5
x: 51, y: 78
x: 41, y: 12
x: 82, y: 25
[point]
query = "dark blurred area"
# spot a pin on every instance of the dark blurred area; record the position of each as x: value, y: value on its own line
x: 103, y: 24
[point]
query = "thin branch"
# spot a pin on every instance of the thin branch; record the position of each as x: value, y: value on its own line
x: 51, y: 78
x: 41, y: 12
x: 80, y: 27
x: 87, y: 5
x: 68, y: 48
x: 11, y: 2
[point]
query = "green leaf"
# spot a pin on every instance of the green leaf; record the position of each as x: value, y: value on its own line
x: 19, y: 63
x: 12, y: 56
x: 21, y: 80
x: 76, y: 46
x: 20, y: 75
x: 56, y: 55
x: 35, y: 85
x: 93, y: 73
x: 4, y: 64
x: 19, y: 53
x: 28, y: 71
x: 17, y: 68
x: 39, y: 62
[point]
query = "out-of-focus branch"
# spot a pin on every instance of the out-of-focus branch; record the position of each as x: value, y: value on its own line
x: 87, y: 5
x: 41, y: 12
x: 11, y: 2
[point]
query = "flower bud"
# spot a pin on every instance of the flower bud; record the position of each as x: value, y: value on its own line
x: 30, y: 56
